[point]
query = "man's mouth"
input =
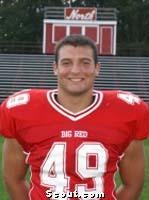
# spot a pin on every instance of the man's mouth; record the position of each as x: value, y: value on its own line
x: 76, y: 79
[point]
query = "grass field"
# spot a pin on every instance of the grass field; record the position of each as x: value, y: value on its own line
x: 144, y: 196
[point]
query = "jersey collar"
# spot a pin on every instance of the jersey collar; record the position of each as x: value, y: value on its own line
x: 98, y: 97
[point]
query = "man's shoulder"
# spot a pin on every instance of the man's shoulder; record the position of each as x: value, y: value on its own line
x: 122, y: 97
x: 24, y: 98
x: 25, y: 103
x: 124, y: 103
x: 22, y: 108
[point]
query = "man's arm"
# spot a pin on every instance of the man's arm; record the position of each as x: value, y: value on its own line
x: 14, y: 170
x: 132, y: 170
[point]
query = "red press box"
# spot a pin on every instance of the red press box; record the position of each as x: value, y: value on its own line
x: 86, y: 21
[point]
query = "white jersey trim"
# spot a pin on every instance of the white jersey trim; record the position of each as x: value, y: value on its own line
x: 79, y: 115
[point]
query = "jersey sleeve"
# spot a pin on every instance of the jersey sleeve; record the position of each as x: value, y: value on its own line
x: 142, y: 121
x: 7, y: 124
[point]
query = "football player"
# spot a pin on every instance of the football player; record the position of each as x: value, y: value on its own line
x: 74, y: 138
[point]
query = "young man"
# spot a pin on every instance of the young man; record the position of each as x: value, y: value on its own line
x: 74, y: 138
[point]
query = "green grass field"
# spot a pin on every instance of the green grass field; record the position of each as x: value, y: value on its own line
x: 144, y: 196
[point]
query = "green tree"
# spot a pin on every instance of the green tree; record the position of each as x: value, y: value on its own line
x: 22, y: 20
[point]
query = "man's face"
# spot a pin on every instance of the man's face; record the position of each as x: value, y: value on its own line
x: 76, y: 69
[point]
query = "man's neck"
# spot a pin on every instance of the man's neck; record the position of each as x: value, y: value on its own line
x: 75, y: 103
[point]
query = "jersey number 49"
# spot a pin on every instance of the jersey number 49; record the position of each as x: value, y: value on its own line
x: 53, y: 170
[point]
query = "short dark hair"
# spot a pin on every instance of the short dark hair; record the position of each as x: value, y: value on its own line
x: 76, y: 40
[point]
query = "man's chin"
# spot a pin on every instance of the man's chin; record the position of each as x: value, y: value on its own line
x: 77, y: 92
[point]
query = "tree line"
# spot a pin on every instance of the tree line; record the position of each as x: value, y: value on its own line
x: 21, y: 23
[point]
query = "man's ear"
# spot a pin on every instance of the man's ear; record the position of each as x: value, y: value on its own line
x: 97, y: 69
x: 55, y: 68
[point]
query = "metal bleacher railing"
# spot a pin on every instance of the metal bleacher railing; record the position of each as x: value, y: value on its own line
x: 22, y: 71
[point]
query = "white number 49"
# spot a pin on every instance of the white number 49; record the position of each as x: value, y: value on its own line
x: 53, y: 169
x: 129, y: 98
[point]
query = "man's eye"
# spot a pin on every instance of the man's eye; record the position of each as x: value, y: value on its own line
x: 86, y: 63
x: 65, y: 63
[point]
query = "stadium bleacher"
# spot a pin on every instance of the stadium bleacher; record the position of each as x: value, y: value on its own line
x: 22, y: 71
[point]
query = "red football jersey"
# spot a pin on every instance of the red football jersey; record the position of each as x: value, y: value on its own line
x: 73, y: 155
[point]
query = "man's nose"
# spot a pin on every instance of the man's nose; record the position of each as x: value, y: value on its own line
x: 75, y: 68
